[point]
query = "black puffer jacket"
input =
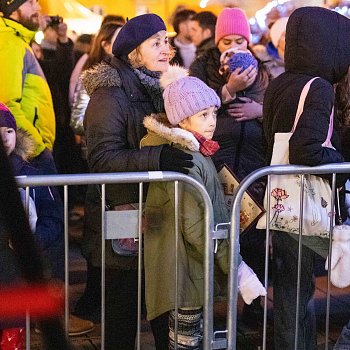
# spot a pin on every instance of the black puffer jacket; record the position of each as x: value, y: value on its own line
x: 114, y: 127
x: 323, y: 52
x: 242, y: 144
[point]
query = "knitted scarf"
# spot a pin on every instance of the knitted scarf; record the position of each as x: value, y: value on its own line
x: 206, y: 147
x: 150, y: 80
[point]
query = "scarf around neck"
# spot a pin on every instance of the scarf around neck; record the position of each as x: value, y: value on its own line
x: 206, y: 147
x: 150, y: 80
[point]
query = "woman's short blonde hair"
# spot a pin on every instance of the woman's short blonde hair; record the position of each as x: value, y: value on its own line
x: 135, y: 57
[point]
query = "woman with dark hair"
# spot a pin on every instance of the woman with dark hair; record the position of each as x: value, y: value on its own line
x: 90, y: 301
x: 123, y: 89
x: 101, y: 48
x: 239, y: 130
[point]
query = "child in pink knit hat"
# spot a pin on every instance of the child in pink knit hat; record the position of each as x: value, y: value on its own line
x: 188, y: 125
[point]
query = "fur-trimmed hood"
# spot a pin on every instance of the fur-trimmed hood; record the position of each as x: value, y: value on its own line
x: 102, y: 74
x: 25, y: 145
x: 158, y: 125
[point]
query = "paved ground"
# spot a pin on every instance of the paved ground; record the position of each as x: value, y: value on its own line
x: 248, y: 338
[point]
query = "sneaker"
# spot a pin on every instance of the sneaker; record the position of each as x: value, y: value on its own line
x: 78, y: 326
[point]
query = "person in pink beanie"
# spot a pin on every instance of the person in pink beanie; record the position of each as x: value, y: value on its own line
x: 239, y: 130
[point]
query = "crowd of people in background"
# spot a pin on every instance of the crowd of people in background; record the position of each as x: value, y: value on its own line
x: 130, y: 98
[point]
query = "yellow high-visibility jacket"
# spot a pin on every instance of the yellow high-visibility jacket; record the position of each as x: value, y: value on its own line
x: 23, y: 86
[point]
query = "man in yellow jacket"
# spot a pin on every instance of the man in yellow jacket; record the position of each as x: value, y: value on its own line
x: 23, y: 85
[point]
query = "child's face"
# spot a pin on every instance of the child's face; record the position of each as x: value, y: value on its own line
x: 204, y: 122
x: 232, y: 42
x: 8, y: 136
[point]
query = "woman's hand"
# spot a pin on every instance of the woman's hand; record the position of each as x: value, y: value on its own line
x: 245, y: 111
x: 240, y: 81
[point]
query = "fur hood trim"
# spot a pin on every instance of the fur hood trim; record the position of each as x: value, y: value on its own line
x: 159, y: 124
x: 25, y: 145
x: 102, y: 74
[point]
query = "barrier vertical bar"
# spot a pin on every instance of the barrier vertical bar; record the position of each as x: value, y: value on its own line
x: 103, y: 271
x: 139, y: 273
x: 208, y: 276
x: 232, y: 278
x: 176, y: 199
x: 267, y: 245
x: 328, y: 297
x: 27, y: 313
x: 301, y: 220
x: 66, y: 261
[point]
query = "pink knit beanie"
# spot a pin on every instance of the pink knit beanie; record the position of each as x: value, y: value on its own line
x: 232, y: 21
x: 185, y: 96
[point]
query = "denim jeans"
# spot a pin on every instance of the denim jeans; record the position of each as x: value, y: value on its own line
x: 285, y: 272
x: 343, y: 342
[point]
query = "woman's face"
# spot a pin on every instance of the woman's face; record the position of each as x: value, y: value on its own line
x: 155, y: 52
x: 232, y: 42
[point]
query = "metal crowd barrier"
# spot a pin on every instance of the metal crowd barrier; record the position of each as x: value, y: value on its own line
x: 126, y: 178
x: 230, y: 342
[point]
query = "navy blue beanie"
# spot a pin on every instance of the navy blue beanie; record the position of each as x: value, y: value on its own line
x: 135, y: 32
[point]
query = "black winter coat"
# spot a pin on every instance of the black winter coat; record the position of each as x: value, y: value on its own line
x: 114, y: 127
x: 309, y: 53
x: 242, y: 144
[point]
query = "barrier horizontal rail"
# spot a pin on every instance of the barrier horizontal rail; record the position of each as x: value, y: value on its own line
x: 141, y: 177
x: 333, y: 168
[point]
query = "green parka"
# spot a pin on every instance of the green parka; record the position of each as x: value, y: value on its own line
x: 159, y: 237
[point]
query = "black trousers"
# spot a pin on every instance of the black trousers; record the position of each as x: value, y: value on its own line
x: 121, y: 309
x: 121, y: 313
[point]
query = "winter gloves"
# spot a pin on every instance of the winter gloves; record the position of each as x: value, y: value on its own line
x: 340, y: 263
x: 173, y: 159
x: 248, y: 284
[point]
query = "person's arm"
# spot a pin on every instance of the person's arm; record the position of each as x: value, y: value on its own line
x: 78, y: 110
x: 106, y: 126
x: 49, y: 208
x: 191, y: 212
x: 12, y: 72
x: 64, y: 54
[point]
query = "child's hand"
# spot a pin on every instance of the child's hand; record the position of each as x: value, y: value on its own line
x: 240, y: 81
x: 245, y: 111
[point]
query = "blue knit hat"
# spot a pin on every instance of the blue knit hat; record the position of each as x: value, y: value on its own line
x: 135, y: 32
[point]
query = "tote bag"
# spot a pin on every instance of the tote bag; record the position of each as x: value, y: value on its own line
x: 285, y: 196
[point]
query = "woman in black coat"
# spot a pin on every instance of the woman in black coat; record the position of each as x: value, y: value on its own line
x: 123, y: 90
x: 316, y: 46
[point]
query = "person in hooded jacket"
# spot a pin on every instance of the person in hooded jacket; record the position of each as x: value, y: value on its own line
x: 124, y: 89
x: 45, y: 210
x: 316, y: 46
x: 48, y: 217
